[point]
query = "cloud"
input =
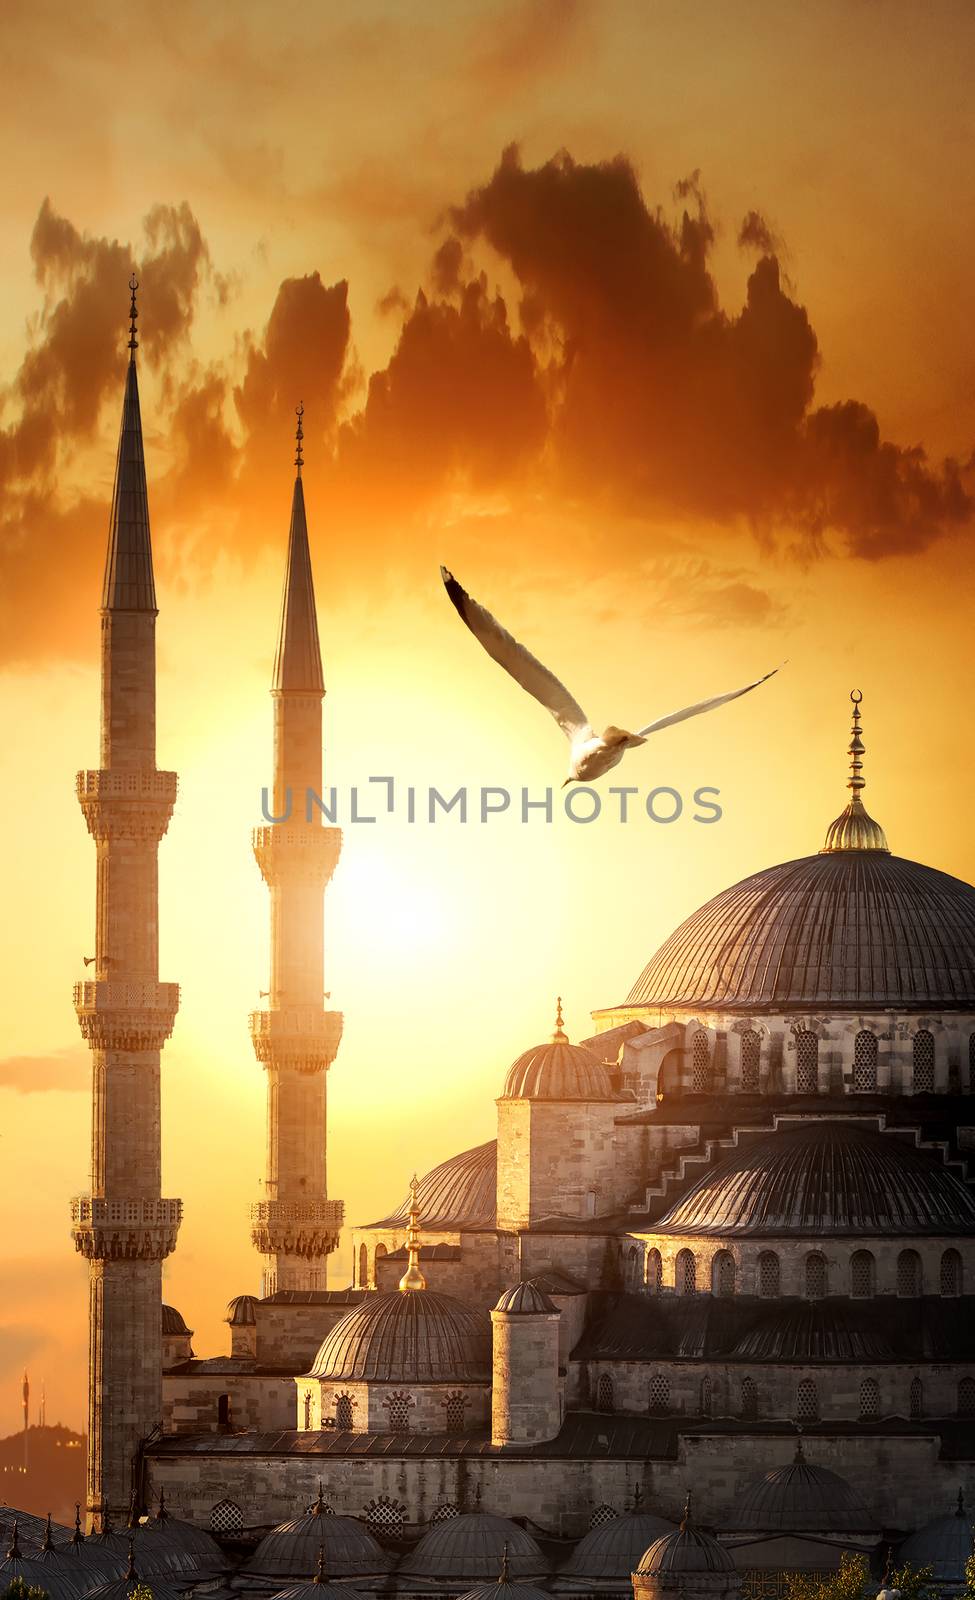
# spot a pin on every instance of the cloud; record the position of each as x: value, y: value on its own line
x: 68, y: 1069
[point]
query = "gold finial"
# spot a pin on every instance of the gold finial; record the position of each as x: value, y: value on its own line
x: 413, y: 1278
x: 686, y: 1517
x: 854, y: 828
x: 299, y: 435
x: 559, y: 1036
x: 133, y: 317
x: 320, y: 1569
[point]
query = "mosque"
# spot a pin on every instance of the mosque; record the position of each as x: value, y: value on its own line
x: 701, y: 1316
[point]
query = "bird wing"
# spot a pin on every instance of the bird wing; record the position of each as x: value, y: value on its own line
x: 516, y: 660
x: 702, y: 705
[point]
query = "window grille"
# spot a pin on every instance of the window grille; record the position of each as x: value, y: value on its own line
x: 923, y: 1062
x: 749, y: 1399
x: 601, y: 1516
x: 344, y: 1407
x: 385, y: 1518
x: 862, y: 1275
x: 865, y: 1061
x: 751, y: 1055
x: 659, y: 1395
x: 807, y: 1062
x: 807, y: 1401
x: 399, y: 1406
x: 917, y: 1398
x: 971, y: 1063
x: 686, y: 1273
x: 768, y: 1275
x: 701, y: 1063
x: 951, y: 1273
x: 815, y: 1276
x: 604, y: 1393
x: 445, y: 1511
x: 706, y: 1396
x: 966, y: 1397
x: 909, y: 1274
x: 455, y: 1406
x: 654, y: 1270
x: 226, y: 1519
x: 724, y: 1273
x: 869, y: 1400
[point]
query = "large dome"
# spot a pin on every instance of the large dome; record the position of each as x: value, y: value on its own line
x: 293, y: 1549
x: 800, y: 1498
x: 413, y: 1337
x: 473, y: 1546
x: 614, y: 1548
x: 459, y: 1194
x: 813, y: 1178
x: 849, y: 928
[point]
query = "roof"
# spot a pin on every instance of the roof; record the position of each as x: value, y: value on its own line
x: 858, y: 929
x: 172, y: 1321
x: 800, y: 1498
x: 426, y: 1252
x: 815, y: 1177
x: 687, y: 1549
x: 415, y: 1337
x: 298, y: 658
x: 293, y: 1549
x: 945, y: 1544
x: 315, y: 1297
x: 613, y: 1549
x: 460, y: 1194
x: 473, y: 1546
x: 526, y: 1300
x: 128, y: 584
x: 241, y: 1311
x: 558, y: 1070
x: 748, y: 1329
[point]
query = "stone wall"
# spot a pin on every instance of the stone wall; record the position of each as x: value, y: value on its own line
x: 192, y: 1402
x: 393, y: 1407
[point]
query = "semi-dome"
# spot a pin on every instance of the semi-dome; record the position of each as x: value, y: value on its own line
x: 241, y: 1311
x: 172, y: 1321
x: 815, y: 1330
x: 685, y: 1549
x: 459, y: 1194
x: 472, y: 1547
x: 526, y: 1300
x: 613, y: 1549
x: 800, y: 1498
x: 414, y: 1337
x: 945, y: 1544
x: 558, y: 1070
x: 293, y: 1550
x: 811, y: 1178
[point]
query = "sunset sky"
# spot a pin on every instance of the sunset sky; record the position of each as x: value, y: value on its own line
x: 654, y: 322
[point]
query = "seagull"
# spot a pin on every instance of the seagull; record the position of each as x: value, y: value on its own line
x: 591, y: 754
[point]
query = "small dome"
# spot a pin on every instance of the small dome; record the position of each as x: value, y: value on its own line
x: 123, y: 1588
x: 800, y: 1498
x: 196, y: 1545
x: 613, y: 1549
x: 172, y: 1321
x: 472, y: 1546
x: 317, y: 1589
x: 46, y: 1569
x: 459, y: 1194
x: 293, y: 1550
x: 812, y: 1178
x: 558, y: 1070
x: 242, y: 1311
x: 687, y: 1549
x: 526, y: 1300
x: 414, y: 1337
x: 505, y: 1591
x: 945, y: 1544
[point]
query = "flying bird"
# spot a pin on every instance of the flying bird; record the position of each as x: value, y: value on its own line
x: 590, y: 754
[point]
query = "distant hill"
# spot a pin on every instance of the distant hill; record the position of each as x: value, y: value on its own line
x: 55, y: 1477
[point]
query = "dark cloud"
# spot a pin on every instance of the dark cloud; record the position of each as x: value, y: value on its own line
x: 755, y: 234
x: 61, y: 1069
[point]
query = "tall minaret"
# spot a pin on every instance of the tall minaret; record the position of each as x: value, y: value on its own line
x: 295, y: 1227
x: 123, y: 1227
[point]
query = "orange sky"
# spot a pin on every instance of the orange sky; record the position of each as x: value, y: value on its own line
x: 632, y: 436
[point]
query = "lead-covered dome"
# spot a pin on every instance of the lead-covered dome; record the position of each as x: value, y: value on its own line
x: 459, y: 1194
x: 474, y: 1546
x: 687, y: 1549
x: 614, y: 1548
x: 558, y: 1070
x: 800, y: 1498
x: 945, y: 1545
x: 294, y: 1549
x: 812, y: 1178
x: 856, y: 928
x: 414, y: 1337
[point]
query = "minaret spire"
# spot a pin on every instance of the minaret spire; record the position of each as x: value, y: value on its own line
x: 855, y: 828
x: 123, y: 1227
x: 295, y: 1226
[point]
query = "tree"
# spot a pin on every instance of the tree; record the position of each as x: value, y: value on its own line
x: 852, y: 1579
x: 17, y: 1589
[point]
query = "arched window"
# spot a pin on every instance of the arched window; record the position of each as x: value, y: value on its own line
x: 923, y: 1062
x: 381, y: 1251
x: 632, y: 1268
x: 455, y: 1407
x: 951, y: 1276
x: 399, y: 1406
x: 363, y: 1267
x: 344, y: 1408
x: 385, y: 1518
x: 749, y: 1399
x: 751, y: 1055
x: 862, y: 1275
x: 865, y: 1061
x: 807, y: 1062
x: 815, y: 1275
x: 223, y: 1410
x: 701, y: 1063
x: 807, y: 1401
x: 723, y: 1273
x: 917, y: 1398
x: 768, y: 1275
x: 445, y: 1511
x: 869, y: 1400
x: 226, y: 1519
x: 659, y: 1395
x: 307, y: 1408
x: 604, y: 1393
x: 909, y: 1274
x: 966, y: 1397
x: 602, y: 1515
x: 706, y: 1396
x: 654, y: 1271
x: 685, y: 1273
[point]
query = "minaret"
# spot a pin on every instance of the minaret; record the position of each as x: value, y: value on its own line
x: 123, y: 1227
x: 295, y: 1227
x: 26, y: 1395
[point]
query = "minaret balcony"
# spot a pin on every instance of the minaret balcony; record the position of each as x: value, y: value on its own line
x: 119, y: 1014
x: 124, y: 804
x: 306, y: 1228
x: 299, y: 1038
x: 285, y: 851
x: 124, y: 1230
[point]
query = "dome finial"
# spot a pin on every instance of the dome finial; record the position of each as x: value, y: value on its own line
x: 299, y: 435
x: 133, y: 317
x: 503, y: 1574
x: 800, y: 1454
x: 685, y: 1520
x: 413, y: 1278
x: 854, y: 828
x: 320, y: 1568
x: 559, y: 1036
